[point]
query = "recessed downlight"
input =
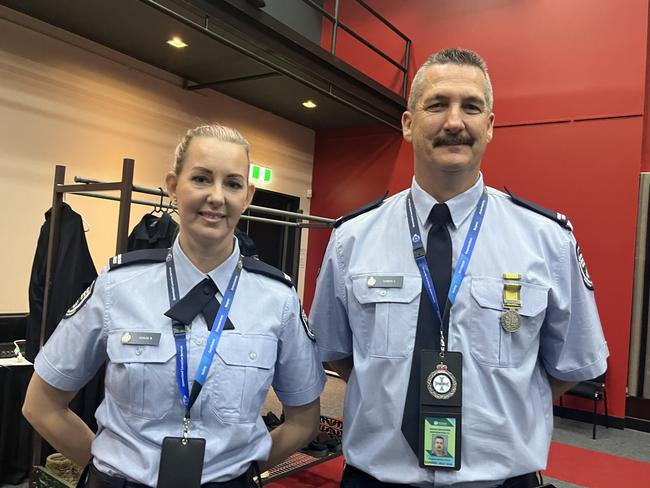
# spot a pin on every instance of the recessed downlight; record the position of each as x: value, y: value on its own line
x: 309, y: 104
x: 177, y: 42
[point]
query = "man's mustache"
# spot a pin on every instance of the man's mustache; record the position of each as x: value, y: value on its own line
x: 453, y: 141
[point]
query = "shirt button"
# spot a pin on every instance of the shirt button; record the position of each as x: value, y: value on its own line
x: 206, y: 290
x: 138, y: 351
x: 253, y: 356
x: 198, y: 342
x: 383, y: 293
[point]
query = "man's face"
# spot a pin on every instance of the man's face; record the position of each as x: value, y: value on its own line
x: 451, y: 124
x: 439, y: 447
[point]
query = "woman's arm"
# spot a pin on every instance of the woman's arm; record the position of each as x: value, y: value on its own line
x: 46, y: 408
x: 300, y: 426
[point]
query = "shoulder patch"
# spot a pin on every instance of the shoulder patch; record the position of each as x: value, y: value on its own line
x: 586, y: 279
x: 361, y: 210
x: 254, y: 265
x: 81, y: 301
x: 305, y: 324
x: 561, y: 219
x: 140, y: 256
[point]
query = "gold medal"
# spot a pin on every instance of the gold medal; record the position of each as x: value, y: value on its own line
x: 510, y: 321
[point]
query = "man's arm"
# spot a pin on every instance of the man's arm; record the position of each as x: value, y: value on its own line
x: 342, y: 367
x: 558, y: 387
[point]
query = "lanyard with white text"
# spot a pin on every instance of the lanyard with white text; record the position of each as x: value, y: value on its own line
x: 463, y: 260
x: 213, y: 339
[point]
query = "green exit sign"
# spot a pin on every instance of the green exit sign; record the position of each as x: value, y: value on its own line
x: 260, y: 173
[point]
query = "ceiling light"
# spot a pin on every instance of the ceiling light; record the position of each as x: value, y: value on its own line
x: 177, y: 42
x: 309, y: 104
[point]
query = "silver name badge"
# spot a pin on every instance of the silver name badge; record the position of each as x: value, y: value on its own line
x: 141, y: 338
x: 385, y: 281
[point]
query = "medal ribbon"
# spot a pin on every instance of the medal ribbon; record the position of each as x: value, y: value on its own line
x: 180, y: 338
x: 419, y: 254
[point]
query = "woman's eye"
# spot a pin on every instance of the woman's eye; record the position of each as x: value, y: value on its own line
x: 199, y: 179
x: 238, y: 185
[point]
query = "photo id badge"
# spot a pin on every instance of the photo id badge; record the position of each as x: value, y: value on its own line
x: 440, y: 440
x: 441, y: 398
x: 181, y: 464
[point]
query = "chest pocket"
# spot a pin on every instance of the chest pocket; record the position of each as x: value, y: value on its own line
x: 386, y: 316
x: 493, y: 346
x: 241, y: 375
x: 141, y: 379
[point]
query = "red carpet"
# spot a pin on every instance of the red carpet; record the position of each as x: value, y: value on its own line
x: 324, y: 475
x: 576, y: 465
x: 595, y: 469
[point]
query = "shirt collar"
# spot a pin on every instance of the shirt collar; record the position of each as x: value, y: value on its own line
x: 189, y: 275
x: 460, y: 207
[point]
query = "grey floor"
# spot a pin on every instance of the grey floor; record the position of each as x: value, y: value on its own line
x: 627, y: 443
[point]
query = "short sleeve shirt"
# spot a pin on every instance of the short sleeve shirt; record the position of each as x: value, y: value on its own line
x: 507, y: 398
x: 142, y: 405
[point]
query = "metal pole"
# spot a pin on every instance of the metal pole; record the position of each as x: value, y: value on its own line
x: 335, y: 26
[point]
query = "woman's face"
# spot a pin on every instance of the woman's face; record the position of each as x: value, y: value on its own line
x: 211, y: 191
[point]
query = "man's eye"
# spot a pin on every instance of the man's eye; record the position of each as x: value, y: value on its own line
x: 235, y: 184
x: 473, y: 109
x: 436, y: 106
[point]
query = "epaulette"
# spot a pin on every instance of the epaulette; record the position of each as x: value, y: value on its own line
x: 140, y: 256
x: 361, y: 210
x: 561, y: 219
x: 260, y: 267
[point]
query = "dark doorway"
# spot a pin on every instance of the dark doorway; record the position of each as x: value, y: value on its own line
x: 277, y: 245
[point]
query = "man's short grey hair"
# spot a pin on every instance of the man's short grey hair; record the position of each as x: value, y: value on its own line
x: 459, y: 56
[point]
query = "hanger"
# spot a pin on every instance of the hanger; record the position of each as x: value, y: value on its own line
x: 159, y: 206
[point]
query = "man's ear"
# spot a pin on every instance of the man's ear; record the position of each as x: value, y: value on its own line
x: 490, y: 130
x: 406, y: 126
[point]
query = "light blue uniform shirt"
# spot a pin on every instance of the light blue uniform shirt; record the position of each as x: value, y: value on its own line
x: 507, y: 407
x: 269, y: 346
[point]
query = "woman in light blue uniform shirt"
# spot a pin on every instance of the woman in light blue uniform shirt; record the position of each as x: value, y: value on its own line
x: 125, y: 319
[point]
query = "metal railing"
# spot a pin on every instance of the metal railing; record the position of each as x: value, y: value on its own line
x: 337, y: 23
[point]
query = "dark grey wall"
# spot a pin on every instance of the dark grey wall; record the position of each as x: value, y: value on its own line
x: 298, y: 15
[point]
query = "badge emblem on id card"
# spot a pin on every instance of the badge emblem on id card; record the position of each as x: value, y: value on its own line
x: 440, y: 410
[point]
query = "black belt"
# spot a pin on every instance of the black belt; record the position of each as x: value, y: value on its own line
x: 355, y: 478
x: 97, y: 479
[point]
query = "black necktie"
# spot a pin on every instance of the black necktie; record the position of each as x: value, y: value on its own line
x: 201, y: 299
x: 427, y: 335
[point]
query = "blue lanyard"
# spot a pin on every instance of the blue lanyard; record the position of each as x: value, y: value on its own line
x: 180, y: 338
x: 463, y: 260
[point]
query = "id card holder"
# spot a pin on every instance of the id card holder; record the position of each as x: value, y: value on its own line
x: 440, y: 410
x: 181, y: 464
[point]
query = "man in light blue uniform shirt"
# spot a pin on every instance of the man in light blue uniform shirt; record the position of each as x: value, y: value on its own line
x: 268, y: 345
x: 366, y: 331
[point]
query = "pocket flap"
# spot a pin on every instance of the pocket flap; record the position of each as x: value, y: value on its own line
x: 488, y: 293
x: 411, y: 287
x: 128, y: 353
x: 255, y: 350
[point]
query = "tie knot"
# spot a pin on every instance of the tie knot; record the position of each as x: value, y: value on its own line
x: 440, y: 214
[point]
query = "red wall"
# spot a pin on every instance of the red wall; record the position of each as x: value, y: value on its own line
x: 550, y: 61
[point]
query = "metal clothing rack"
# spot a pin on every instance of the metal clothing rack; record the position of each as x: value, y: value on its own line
x: 89, y: 188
